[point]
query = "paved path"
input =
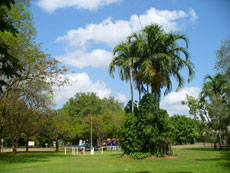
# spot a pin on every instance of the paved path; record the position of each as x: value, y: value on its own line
x: 30, y: 149
x: 191, y: 146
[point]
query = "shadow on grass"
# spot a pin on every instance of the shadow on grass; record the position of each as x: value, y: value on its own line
x: 138, y: 172
x: 116, y: 155
x: 180, y: 172
x: 224, y: 156
x: 200, y: 149
x: 24, y: 157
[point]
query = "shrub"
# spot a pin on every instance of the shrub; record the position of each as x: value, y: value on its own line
x: 139, y: 155
x: 159, y: 154
x: 148, y: 130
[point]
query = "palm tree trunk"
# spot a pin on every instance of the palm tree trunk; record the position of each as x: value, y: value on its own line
x: 139, y: 92
x: 157, y: 94
x: 147, y: 88
x: 131, y: 87
x: 159, y: 98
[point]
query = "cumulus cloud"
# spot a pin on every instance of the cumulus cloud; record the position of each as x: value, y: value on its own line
x: 172, y: 102
x: 52, y: 5
x: 80, y: 82
x: 109, y: 33
x: 81, y: 58
x: 112, y: 32
x: 121, y: 97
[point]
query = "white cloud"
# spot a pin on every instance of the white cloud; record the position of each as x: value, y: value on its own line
x: 52, y: 5
x: 80, y: 82
x: 112, y: 32
x: 121, y: 97
x: 172, y: 102
x: 193, y: 16
x: 80, y: 58
x: 109, y: 33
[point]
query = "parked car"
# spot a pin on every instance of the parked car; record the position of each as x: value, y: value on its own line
x: 86, y: 146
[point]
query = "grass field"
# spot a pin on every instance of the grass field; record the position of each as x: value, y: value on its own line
x: 184, y: 161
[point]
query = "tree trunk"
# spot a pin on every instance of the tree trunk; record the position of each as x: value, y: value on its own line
x: 57, y: 145
x: 139, y: 91
x: 27, y: 145
x: 147, y: 88
x: 214, y: 145
x: 3, y: 118
x: 131, y: 87
x: 98, y: 143
x: 220, y: 141
x: 157, y: 94
x: 227, y: 140
x: 14, y: 144
x: 1, y: 143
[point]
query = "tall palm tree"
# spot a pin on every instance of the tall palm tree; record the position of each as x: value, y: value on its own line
x: 162, y: 58
x: 124, y: 58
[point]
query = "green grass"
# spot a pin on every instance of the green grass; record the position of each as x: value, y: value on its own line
x: 185, y: 161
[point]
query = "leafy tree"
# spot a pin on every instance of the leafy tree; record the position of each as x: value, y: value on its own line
x: 83, y: 104
x: 106, y: 115
x: 58, y: 125
x: 31, y: 126
x: 223, y: 57
x: 33, y: 87
x: 185, y: 129
x: 223, y: 65
x: 212, y: 107
x: 9, y: 65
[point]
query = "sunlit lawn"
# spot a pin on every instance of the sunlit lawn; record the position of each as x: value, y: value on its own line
x: 184, y: 161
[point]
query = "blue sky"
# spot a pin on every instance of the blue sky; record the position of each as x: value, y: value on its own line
x: 82, y: 34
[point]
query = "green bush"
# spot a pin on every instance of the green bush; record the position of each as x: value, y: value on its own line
x: 139, y: 155
x: 159, y: 154
x: 185, y: 129
x: 147, y: 130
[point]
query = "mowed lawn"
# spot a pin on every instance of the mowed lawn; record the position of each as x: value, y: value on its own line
x: 184, y: 161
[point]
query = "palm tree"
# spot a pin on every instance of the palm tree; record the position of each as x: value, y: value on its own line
x: 124, y: 58
x: 161, y: 58
x: 214, y: 86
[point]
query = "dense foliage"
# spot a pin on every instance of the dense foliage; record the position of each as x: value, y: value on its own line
x: 106, y: 114
x: 9, y: 65
x: 148, y: 130
x: 185, y: 129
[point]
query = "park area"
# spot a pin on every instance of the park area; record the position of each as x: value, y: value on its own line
x: 184, y: 160
x: 114, y: 86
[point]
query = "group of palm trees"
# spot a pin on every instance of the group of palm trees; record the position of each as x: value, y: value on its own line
x: 149, y: 58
